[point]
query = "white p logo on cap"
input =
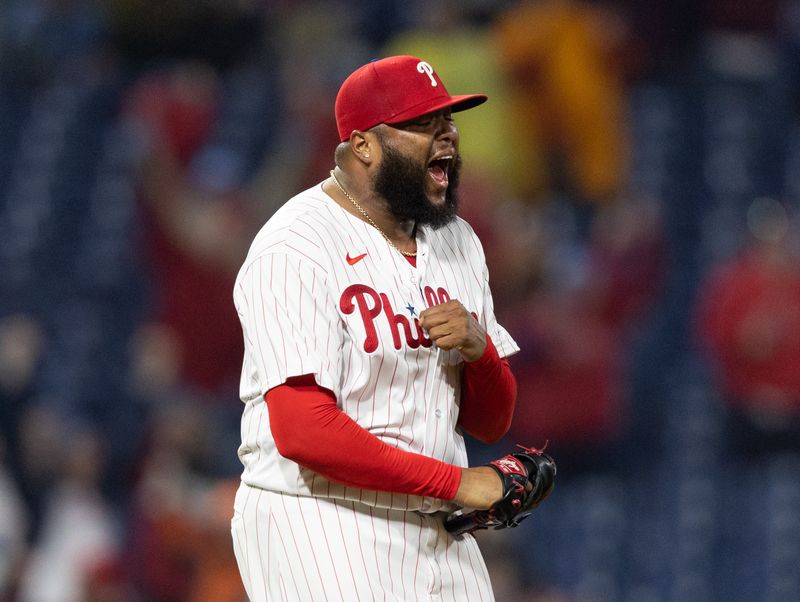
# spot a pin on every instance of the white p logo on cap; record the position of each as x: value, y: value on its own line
x: 425, y: 68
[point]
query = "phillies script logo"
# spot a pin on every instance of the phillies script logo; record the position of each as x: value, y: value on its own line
x: 371, y: 305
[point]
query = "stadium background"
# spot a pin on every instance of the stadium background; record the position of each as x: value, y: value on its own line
x: 635, y: 179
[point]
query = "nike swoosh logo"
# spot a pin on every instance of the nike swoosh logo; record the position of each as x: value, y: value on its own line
x: 356, y: 259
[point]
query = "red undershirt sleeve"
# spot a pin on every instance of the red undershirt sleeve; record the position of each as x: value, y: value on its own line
x: 309, y: 428
x: 488, y: 396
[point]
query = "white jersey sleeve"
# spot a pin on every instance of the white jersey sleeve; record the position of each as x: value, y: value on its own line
x: 288, y: 325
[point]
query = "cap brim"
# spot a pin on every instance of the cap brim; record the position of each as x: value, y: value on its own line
x: 456, y: 103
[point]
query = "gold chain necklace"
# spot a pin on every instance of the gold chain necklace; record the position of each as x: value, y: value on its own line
x: 369, y: 219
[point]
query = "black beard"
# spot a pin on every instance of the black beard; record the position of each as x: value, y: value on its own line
x: 401, y: 181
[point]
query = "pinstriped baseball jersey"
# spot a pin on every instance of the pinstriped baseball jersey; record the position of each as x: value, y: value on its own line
x: 321, y: 292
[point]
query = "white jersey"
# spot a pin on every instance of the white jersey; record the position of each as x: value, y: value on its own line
x: 321, y: 292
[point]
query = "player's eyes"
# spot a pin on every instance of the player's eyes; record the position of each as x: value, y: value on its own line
x: 429, y: 119
x: 426, y: 122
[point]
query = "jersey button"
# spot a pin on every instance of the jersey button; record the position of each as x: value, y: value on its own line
x: 438, y: 413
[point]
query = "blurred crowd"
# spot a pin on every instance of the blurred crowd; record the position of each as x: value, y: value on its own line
x: 634, y: 179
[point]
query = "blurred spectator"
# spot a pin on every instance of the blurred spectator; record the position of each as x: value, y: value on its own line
x: 216, y: 575
x: 518, y: 241
x: 196, y: 238
x: 22, y: 342
x: 152, y: 379
x: 573, y: 327
x: 79, y: 531
x: 13, y: 529
x: 175, y: 544
x: 568, y: 117
x: 21, y: 348
x: 569, y: 374
x: 749, y: 317
x: 626, y: 259
x: 36, y: 443
x: 159, y: 552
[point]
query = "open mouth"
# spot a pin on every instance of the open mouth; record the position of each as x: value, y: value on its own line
x: 438, y: 169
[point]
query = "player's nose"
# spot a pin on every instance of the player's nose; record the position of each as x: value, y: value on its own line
x: 446, y: 127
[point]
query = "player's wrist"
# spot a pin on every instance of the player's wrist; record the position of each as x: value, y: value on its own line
x: 480, y: 487
x: 487, y: 357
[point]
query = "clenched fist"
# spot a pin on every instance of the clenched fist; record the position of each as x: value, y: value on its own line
x: 450, y: 326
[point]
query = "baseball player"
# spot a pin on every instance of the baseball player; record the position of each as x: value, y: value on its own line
x: 371, y: 347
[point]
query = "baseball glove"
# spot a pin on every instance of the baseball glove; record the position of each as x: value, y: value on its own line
x: 528, y: 477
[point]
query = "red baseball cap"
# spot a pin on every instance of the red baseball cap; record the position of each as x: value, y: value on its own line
x: 393, y: 90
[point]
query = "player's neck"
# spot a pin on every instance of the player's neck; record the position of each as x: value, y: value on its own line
x: 373, y: 210
x: 402, y: 233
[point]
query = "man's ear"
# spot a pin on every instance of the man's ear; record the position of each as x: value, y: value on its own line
x: 363, y: 146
